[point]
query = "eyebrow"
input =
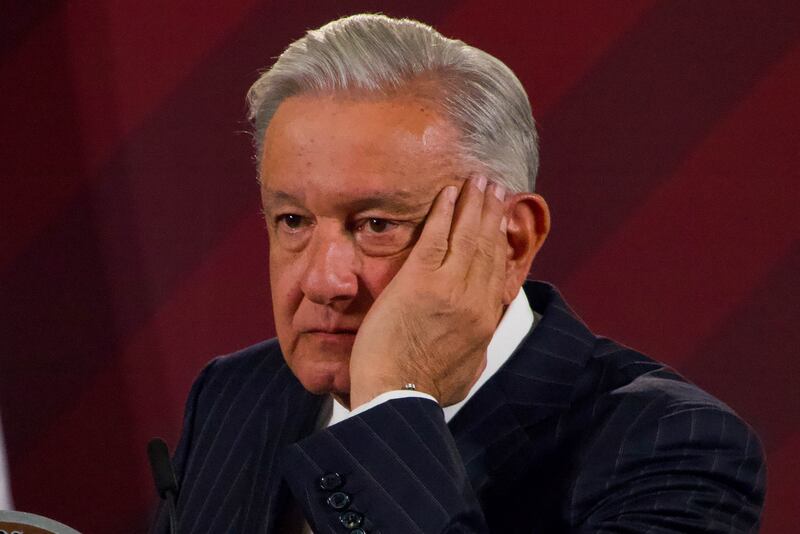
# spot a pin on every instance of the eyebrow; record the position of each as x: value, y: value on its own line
x: 400, y: 202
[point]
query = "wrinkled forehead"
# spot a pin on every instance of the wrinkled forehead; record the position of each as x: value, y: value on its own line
x: 335, y: 148
x: 306, y: 120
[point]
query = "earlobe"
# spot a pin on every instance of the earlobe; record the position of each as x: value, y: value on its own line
x: 528, y: 226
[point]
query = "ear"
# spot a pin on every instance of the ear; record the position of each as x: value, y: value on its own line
x: 528, y: 226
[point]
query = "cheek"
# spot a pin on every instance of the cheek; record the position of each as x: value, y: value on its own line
x: 378, y: 272
x: 284, y: 280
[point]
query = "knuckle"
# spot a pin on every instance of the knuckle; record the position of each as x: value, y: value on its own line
x: 438, y: 246
x: 466, y: 242
x: 451, y: 301
x: 486, y: 248
x: 433, y: 252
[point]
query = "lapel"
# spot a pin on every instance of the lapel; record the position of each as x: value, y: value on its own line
x: 289, y: 418
x: 512, y: 420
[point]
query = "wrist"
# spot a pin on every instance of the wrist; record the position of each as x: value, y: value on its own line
x: 362, y: 395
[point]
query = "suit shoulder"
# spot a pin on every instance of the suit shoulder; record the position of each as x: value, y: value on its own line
x: 266, y: 352
x: 630, y: 403
x: 252, y: 366
x: 623, y: 374
x: 649, y: 432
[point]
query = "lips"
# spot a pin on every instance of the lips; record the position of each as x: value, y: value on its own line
x: 330, y: 327
x: 331, y: 331
x: 335, y: 337
x: 327, y: 326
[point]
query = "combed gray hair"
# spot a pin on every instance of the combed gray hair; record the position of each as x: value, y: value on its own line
x: 475, y: 91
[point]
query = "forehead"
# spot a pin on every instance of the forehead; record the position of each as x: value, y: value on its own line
x: 334, y: 146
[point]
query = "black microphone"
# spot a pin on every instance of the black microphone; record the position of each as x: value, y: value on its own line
x: 164, y: 478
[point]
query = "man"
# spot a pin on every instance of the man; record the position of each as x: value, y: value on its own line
x: 414, y: 386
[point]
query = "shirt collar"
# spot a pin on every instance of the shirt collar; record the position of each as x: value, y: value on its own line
x: 514, y: 326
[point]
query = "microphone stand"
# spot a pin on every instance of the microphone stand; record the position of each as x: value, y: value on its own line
x: 173, y: 515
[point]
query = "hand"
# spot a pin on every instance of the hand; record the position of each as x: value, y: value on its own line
x: 432, y: 323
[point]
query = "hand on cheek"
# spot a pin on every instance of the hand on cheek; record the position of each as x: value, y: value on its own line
x: 432, y: 323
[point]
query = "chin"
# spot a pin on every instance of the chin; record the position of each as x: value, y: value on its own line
x: 322, y: 383
x: 322, y: 372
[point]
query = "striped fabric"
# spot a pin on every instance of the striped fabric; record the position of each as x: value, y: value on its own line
x: 574, y: 434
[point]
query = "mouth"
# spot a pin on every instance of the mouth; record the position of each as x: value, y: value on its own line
x: 343, y: 331
x: 333, y: 334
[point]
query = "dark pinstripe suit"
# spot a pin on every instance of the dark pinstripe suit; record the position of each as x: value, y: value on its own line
x: 574, y: 434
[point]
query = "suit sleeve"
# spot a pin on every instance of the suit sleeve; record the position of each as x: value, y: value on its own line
x: 400, y: 472
x: 675, y: 467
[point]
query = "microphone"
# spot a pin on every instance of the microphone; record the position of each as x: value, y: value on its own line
x: 164, y: 478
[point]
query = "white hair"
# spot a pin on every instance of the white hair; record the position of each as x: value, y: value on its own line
x: 376, y: 54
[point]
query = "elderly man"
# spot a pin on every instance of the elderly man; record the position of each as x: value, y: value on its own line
x: 418, y: 382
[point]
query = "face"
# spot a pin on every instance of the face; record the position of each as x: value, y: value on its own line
x: 346, y: 187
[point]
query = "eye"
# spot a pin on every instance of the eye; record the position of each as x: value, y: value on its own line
x: 292, y: 221
x: 378, y: 226
x: 383, y: 237
x: 291, y: 231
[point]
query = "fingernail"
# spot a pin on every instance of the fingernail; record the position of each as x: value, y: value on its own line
x: 503, y: 224
x: 450, y: 193
x: 499, y: 191
x: 480, y: 182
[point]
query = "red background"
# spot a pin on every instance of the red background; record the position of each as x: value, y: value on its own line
x: 132, y: 249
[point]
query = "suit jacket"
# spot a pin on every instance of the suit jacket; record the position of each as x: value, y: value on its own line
x: 575, y: 433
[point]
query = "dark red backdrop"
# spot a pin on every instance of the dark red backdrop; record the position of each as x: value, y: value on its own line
x: 132, y: 249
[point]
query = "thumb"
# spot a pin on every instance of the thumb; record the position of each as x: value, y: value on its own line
x: 431, y: 248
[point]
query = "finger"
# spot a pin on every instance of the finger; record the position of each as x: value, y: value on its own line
x: 431, y: 247
x: 466, y: 226
x: 488, y: 263
x: 497, y: 278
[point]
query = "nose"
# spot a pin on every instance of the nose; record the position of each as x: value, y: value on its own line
x: 330, y: 274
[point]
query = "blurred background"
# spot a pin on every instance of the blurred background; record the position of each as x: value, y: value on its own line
x: 132, y: 251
